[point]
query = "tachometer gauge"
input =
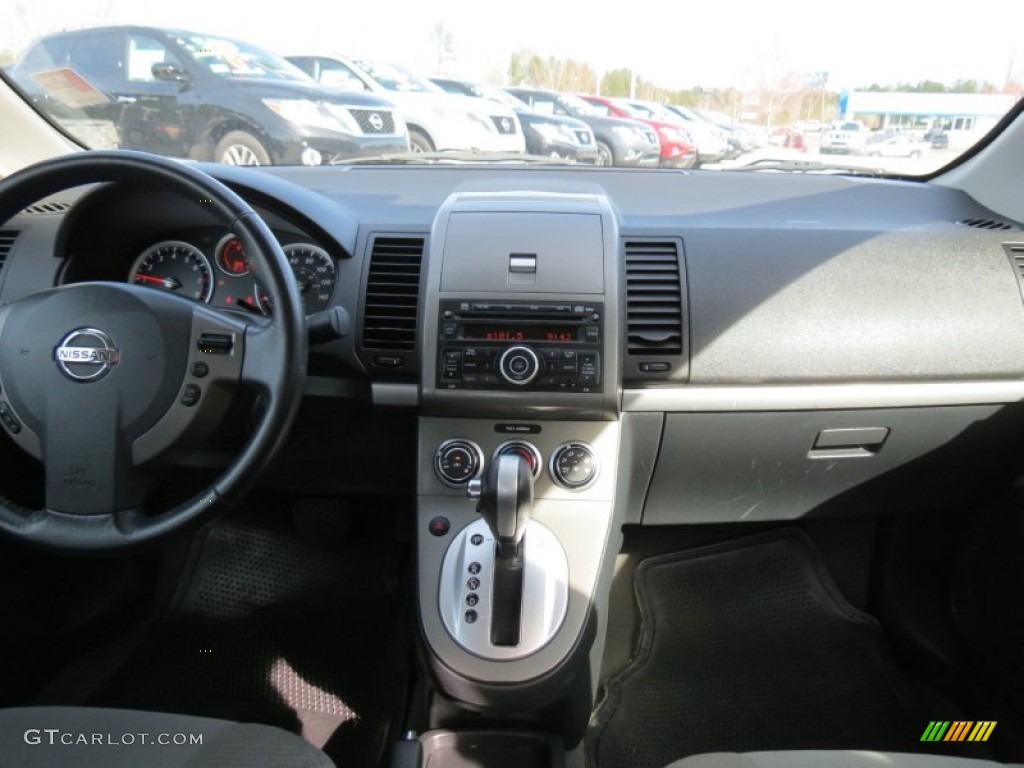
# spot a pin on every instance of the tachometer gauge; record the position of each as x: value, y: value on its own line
x: 314, y: 272
x: 174, y: 266
x: 231, y: 257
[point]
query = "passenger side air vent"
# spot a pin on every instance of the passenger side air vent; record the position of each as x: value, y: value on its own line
x: 1015, y: 252
x: 391, y: 305
x: 991, y: 224
x: 7, y: 239
x: 655, y: 309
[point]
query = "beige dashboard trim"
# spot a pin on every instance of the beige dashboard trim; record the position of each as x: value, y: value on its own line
x: 803, y: 397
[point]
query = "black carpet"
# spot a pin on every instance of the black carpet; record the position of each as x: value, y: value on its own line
x: 749, y: 646
x: 277, y: 629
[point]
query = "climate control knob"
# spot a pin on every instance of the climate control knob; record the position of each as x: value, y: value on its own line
x: 574, y: 466
x: 519, y: 366
x: 458, y: 461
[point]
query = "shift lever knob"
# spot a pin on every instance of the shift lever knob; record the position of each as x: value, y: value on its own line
x: 506, y: 501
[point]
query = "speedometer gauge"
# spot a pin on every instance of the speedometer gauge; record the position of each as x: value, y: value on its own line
x: 314, y: 272
x: 174, y: 266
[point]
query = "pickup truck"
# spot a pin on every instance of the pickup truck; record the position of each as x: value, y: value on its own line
x: 846, y: 138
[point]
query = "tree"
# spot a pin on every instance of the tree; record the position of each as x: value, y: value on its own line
x: 616, y: 82
x: 445, y: 46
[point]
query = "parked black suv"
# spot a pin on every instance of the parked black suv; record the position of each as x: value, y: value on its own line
x: 186, y: 94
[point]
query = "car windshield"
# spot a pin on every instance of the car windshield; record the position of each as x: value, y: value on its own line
x: 230, y: 58
x: 396, y: 78
x: 778, y: 83
x: 580, y: 106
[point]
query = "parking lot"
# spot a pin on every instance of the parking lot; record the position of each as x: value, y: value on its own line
x: 916, y: 166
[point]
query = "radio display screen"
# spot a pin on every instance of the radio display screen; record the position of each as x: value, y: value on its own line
x: 485, y: 332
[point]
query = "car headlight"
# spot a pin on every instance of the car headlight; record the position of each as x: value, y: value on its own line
x: 331, y: 117
x: 676, y: 136
x: 553, y: 132
x: 628, y: 133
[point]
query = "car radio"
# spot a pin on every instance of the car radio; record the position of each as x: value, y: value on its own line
x: 548, y: 347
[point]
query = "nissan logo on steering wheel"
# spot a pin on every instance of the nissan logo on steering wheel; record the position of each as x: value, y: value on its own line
x: 86, y: 354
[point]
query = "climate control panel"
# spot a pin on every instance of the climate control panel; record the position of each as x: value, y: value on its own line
x: 573, y: 466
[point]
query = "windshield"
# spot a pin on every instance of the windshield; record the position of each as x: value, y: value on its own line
x: 753, y: 84
x: 229, y: 58
x: 396, y: 78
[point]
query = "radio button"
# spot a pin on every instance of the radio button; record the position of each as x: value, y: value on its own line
x: 519, y: 366
x: 551, y: 354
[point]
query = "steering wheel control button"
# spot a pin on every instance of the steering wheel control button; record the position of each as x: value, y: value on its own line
x: 528, y: 451
x: 86, y: 354
x: 200, y: 369
x: 519, y: 366
x: 216, y: 343
x: 190, y: 395
x: 574, y: 466
x: 9, y: 420
x: 458, y: 461
x: 439, y: 526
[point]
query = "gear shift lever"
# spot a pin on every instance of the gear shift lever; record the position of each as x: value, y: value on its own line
x: 506, y: 501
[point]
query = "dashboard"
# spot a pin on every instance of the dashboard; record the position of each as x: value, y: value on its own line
x: 755, y: 311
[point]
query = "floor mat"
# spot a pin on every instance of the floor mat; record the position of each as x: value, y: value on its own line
x: 275, y: 629
x: 747, y: 646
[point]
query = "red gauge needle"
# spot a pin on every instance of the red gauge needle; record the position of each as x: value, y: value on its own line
x: 167, y: 282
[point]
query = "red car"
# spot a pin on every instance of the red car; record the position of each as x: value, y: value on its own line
x: 678, y: 149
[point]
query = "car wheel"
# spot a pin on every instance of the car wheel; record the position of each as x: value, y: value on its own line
x: 604, y: 154
x: 419, y: 141
x: 241, y: 148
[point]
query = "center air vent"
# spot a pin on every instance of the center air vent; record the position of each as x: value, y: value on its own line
x: 7, y: 239
x: 392, y: 297
x: 654, y: 306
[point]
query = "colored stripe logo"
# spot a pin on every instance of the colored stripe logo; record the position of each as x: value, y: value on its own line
x: 958, y: 730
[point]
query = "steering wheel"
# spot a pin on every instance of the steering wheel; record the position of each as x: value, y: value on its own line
x: 110, y: 384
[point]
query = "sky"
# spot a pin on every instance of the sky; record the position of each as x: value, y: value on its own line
x: 678, y: 44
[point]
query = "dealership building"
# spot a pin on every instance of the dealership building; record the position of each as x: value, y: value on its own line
x: 965, y: 117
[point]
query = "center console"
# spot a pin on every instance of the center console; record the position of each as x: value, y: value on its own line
x: 518, y: 448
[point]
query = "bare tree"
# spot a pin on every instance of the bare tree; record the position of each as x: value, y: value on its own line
x: 445, y: 45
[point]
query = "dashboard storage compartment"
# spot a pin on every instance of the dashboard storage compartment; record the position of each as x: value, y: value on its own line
x: 491, y: 749
x: 748, y: 466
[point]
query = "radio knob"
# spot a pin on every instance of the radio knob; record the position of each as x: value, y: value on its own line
x: 519, y: 366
